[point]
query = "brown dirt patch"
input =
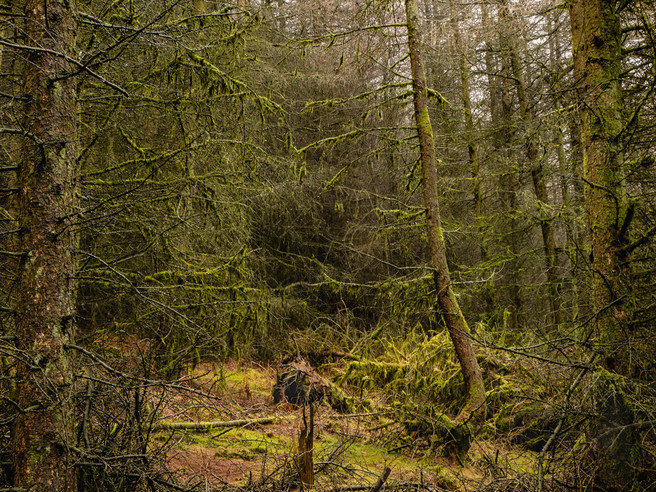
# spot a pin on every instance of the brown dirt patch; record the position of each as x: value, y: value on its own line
x: 204, y: 464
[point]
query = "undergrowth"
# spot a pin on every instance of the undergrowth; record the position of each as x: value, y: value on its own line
x: 418, y: 378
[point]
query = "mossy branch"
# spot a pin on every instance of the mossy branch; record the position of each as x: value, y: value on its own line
x: 358, y: 97
x: 231, y: 84
x: 205, y: 426
x: 332, y: 36
x: 639, y: 242
x: 332, y: 140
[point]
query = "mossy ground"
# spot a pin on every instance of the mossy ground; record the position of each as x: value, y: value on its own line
x: 349, y: 448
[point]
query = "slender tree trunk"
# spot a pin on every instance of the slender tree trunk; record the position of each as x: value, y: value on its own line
x: 45, y: 299
x: 529, y: 126
x: 493, y: 86
x: 565, y: 176
x: 472, y: 150
x: 448, y: 305
x: 508, y: 185
x: 494, y: 157
x: 566, y: 168
x: 596, y: 38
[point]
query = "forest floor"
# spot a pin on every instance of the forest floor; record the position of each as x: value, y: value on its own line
x: 350, y: 450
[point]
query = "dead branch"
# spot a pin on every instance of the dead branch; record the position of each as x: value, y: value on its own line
x: 381, y: 480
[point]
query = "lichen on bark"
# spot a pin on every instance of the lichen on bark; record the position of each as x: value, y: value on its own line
x: 45, y: 295
x: 596, y: 38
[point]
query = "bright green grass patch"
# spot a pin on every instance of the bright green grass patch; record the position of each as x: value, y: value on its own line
x: 244, y: 444
x: 258, y: 381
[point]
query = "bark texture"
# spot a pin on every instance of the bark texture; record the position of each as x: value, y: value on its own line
x: 596, y: 38
x: 45, y: 300
x: 446, y: 300
x: 304, y: 458
x: 597, y: 67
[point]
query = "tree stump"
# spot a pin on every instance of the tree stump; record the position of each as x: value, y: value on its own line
x: 298, y: 384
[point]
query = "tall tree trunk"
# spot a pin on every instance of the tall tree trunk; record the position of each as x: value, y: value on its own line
x: 446, y: 300
x: 508, y: 184
x: 529, y: 126
x: 45, y: 296
x: 566, y: 168
x: 596, y: 38
x: 493, y: 85
x: 472, y: 150
x: 597, y: 68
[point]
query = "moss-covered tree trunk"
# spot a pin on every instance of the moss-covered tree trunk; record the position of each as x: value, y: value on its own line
x: 596, y: 38
x: 597, y: 67
x: 45, y: 310
x: 446, y: 300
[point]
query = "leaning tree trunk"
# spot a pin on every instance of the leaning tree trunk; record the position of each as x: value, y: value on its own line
x: 45, y: 310
x: 596, y: 38
x: 448, y: 305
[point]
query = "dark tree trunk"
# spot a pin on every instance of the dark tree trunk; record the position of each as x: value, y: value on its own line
x: 596, y: 37
x: 45, y: 299
x: 304, y: 459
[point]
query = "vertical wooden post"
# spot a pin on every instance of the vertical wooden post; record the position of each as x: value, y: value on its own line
x: 305, y: 459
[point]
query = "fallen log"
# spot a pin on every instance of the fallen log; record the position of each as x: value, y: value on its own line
x: 205, y: 426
